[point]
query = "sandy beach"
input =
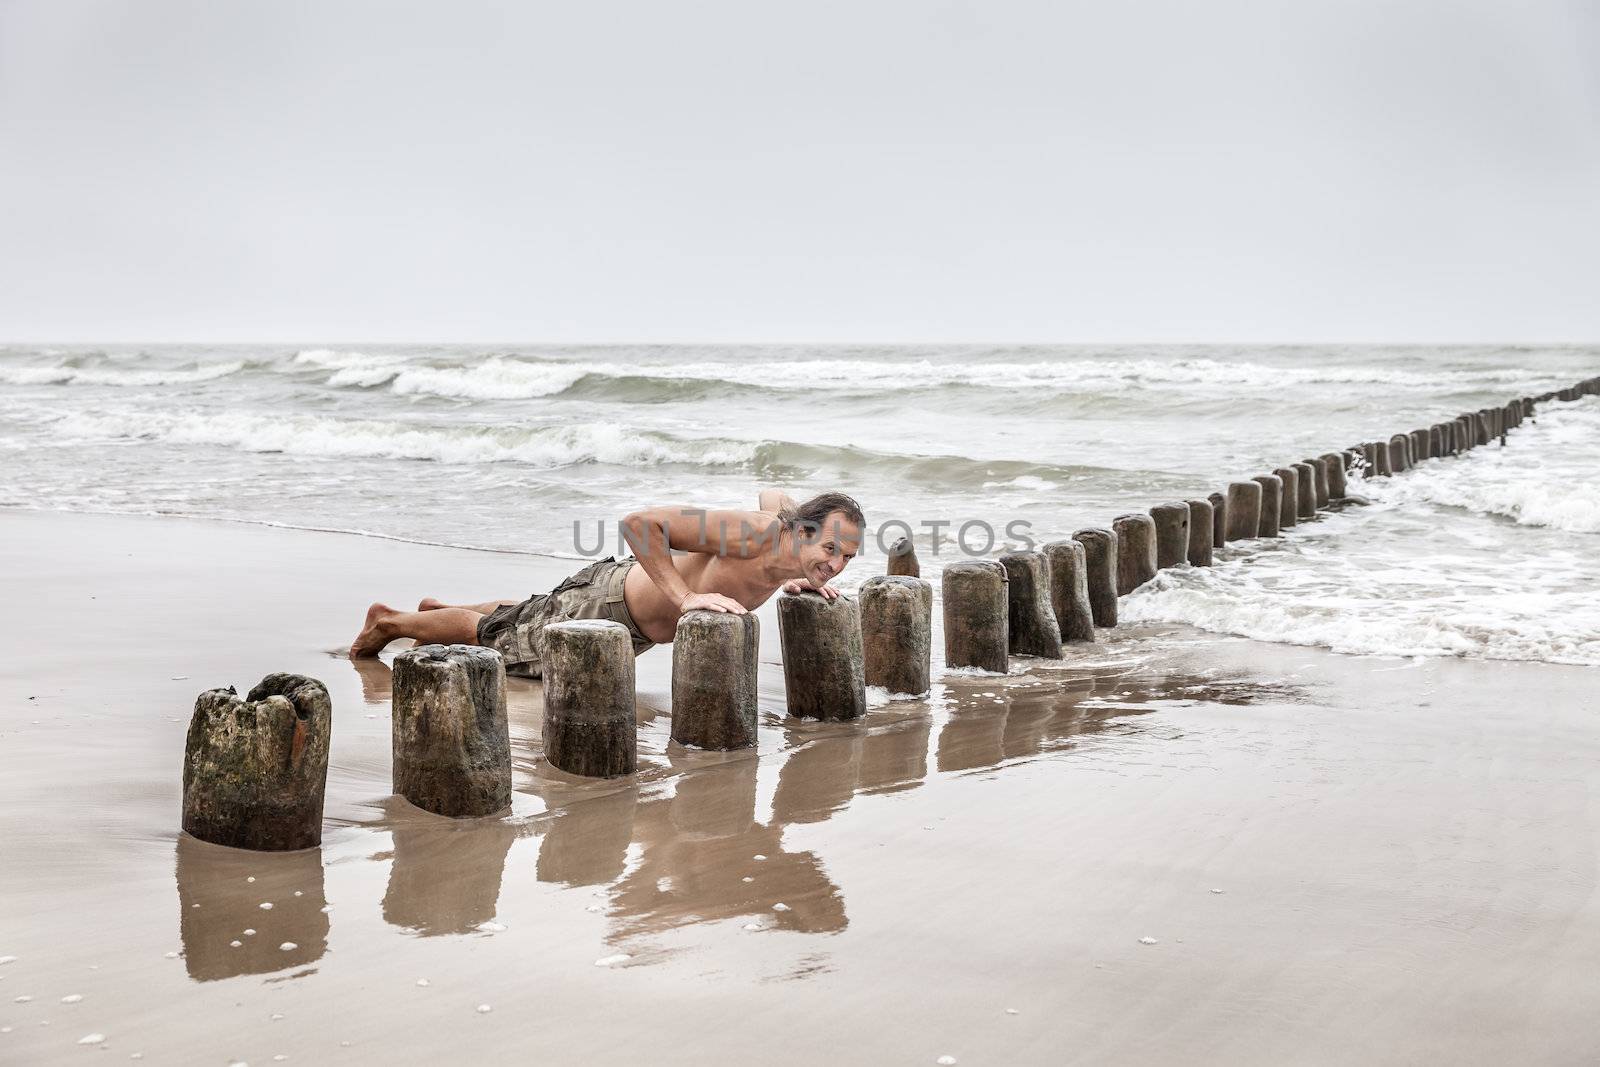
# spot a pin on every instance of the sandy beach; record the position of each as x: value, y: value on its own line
x: 1206, y: 849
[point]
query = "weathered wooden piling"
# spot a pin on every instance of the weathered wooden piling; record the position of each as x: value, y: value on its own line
x: 1335, y: 464
x: 1289, y: 498
x: 897, y: 632
x: 449, y: 739
x: 1136, y: 551
x: 714, y: 656
x: 255, y: 770
x: 903, y: 559
x: 1271, y: 504
x: 1244, y: 510
x: 1067, y: 563
x: 1435, y: 441
x: 589, y: 712
x: 824, y: 675
x: 1172, y: 534
x: 1381, y: 452
x: 1399, y: 453
x: 1100, y: 572
x: 1031, y: 628
x: 1202, y: 533
x: 1307, y: 488
x: 1369, y: 452
x: 976, y: 614
x: 1419, y: 446
x: 1219, y: 519
x: 1319, y: 482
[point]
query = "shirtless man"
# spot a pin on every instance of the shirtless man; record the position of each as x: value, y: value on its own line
x: 733, y: 561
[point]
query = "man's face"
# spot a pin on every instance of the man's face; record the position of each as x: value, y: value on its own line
x: 824, y: 552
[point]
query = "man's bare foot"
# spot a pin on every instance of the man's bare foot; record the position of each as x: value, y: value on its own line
x: 370, y: 641
x: 427, y: 603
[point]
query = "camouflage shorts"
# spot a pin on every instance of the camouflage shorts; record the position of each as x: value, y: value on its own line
x: 516, y: 631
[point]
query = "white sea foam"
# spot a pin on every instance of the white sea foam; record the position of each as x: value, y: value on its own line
x: 315, y: 435
x: 1548, y: 473
x: 62, y: 374
x: 508, y: 378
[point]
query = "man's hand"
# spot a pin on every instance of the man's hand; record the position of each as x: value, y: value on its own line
x: 827, y: 592
x: 710, y: 602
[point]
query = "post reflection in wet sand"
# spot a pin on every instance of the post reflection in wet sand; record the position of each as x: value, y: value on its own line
x: 704, y: 858
x: 225, y: 930
x: 445, y: 874
x: 820, y: 775
x: 587, y: 842
x: 894, y: 756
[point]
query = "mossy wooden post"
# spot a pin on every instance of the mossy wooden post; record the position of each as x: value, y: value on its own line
x: 1271, y: 504
x: 1136, y: 551
x: 1244, y: 510
x: 824, y: 674
x: 1031, y: 628
x: 1172, y: 534
x: 975, y: 615
x: 1100, y: 573
x: 1289, y: 502
x: 1219, y: 519
x: 1308, y: 490
x: 590, y: 721
x: 255, y: 770
x: 1334, y: 462
x: 1202, y: 533
x: 897, y: 633
x: 903, y: 559
x: 714, y: 655
x: 1319, y: 482
x: 449, y: 739
x: 1067, y: 563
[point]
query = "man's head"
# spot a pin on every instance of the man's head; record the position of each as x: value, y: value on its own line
x: 827, y: 532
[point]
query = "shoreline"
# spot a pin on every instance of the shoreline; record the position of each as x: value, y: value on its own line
x: 1407, y: 850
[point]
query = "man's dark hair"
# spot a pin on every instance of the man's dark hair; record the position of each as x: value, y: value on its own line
x: 811, y: 515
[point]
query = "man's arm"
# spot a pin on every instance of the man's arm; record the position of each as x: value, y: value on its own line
x: 774, y: 500
x: 654, y: 532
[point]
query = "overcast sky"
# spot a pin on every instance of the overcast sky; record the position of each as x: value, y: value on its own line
x: 749, y: 170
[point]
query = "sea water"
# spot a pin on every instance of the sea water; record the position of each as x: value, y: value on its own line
x: 972, y: 448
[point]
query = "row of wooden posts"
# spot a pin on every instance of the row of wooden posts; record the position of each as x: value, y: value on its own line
x: 255, y: 770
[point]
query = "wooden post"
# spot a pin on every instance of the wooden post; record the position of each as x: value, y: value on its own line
x: 1308, y: 490
x: 714, y: 656
x: 255, y: 770
x: 903, y: 559
x: 450, y: 741
x: 1381, y: 450
x: 1172, y: 534
x: 823, y: 670
x: 1219, y: 519
x: 1201, y: 533
x: 1289, y: 504
x: 1031, y: 618
x: 1319, y: 482
x: 1136, y: 551
x: 1244, y: 510
x: 897, y: 633
x: 1100, y: 571
x: 1334, y: 462
x: 1400, y: 453
x: 590, y: 721
x: 1271, y: 504
x: 975, y: 615
x: 1067, y: 563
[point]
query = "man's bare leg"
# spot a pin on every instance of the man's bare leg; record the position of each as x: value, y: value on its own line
x: 443, y: 626
x: 429, y: 603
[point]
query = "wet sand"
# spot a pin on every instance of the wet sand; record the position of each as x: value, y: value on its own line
x: 1332, y: 858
